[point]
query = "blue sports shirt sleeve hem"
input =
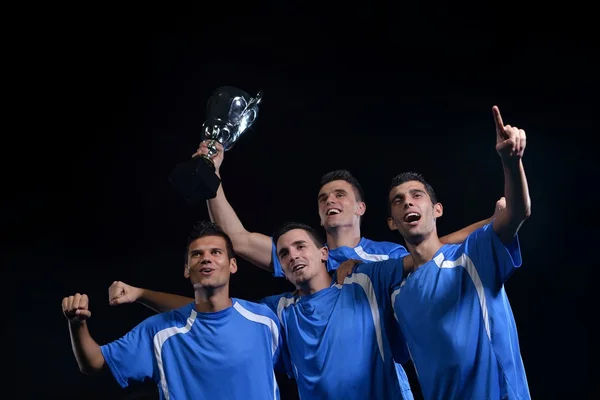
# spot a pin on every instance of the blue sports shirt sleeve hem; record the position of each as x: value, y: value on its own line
x: 513, y: 248
x: 111, y: 365
x: 277, y: 270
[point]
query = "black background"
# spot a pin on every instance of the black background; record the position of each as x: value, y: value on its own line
x: 105, y: 101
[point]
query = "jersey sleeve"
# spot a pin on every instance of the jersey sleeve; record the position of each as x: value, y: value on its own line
x: 131, y: 358
x: 385, y: 276
x: 281, y: 359
x: 277, y: 269
x: 272, y: 302
x: 494, y: 261
x: 398, y: 252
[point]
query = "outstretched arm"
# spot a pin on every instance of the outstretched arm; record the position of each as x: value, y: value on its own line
x: 510, y: 145
x: 122, y: 293
x: 251, y: 246
x: 461, y: 235
x: 87, y: 352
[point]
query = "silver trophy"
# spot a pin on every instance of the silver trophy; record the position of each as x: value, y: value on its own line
x: 229, y: 113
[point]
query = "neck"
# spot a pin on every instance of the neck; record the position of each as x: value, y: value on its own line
x: 423, y: 249
x: 316, y: 284
x: 212, y: 299
x: 343, y: 236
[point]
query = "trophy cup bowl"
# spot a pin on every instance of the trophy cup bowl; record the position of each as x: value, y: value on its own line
x: 229, y: 113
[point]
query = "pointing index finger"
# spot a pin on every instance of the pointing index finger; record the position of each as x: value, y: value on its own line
x: 498, y: 118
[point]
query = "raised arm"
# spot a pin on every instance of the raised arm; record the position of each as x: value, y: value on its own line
x: 87, y: 352
x: 510, y: 145
x: 461, y: 235
x: 122, y: 293
x: 251, y: 246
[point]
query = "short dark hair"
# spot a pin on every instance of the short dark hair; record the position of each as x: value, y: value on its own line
x: 407, y: 177
x: 288, y: 226
x: 343, y: 175
x: 207, y: 228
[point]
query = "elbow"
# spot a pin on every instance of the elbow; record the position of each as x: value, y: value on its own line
x: 527, y: 209
x: 527, y: 212
x: 87, y: 370
x: 92, y: 368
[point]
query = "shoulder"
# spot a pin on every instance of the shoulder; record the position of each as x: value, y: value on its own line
x: 373, y: 244
x: 249, y: 308
x: 177, y: 317
x: 386, y: 248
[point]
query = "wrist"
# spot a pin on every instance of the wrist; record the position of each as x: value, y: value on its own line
x: 139, y: 294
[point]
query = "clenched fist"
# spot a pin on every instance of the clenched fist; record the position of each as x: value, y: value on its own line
x: 122, y: 293
x: 75, y: 308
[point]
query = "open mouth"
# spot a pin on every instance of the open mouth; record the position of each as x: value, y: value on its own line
x: 298, y: 267
x: 412, y: 217
x: 206, y: 270
x: 333, y: 211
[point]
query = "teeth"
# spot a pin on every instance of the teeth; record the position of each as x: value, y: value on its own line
x: 412, y: 217
x: 333, y: 211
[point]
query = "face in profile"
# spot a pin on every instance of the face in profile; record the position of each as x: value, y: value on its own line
x: 300, y: 258
x: 208, y: 265
x: 338, y: 205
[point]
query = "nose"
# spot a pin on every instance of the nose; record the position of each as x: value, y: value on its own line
x: 330, y: 199
x: 407, y: 204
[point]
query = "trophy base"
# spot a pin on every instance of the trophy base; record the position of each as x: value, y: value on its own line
x: 195, y: 180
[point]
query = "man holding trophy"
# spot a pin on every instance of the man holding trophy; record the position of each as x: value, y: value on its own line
x: 340, y: 199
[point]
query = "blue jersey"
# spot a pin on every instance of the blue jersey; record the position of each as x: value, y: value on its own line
x: 458, y: 323
x: 366, y: 250
x: 229, y: 354
x: 338, y: 340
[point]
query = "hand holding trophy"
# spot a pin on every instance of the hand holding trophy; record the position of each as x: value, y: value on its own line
x: 229, y: 113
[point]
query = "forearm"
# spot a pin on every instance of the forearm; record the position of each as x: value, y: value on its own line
x: 518, y: 202
x: 461, y: 235
x: 253, y: 247
x: 87, y: 352
x: 161, y: 301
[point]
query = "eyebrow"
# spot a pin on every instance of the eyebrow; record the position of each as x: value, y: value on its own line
x: 411, y: 191
x: 296, y: 243
x: 321, y: 195
x: 211, y: 249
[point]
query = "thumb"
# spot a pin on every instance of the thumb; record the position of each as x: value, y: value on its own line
x: 119, y: 299
x: 83, y: 314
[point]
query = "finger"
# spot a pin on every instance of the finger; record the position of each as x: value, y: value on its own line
x: 116, y: 295
x: 75, y: 302
x: 523, y: 140
x: 498, y: 118
x: 117, y: 300
x: 83, y: 302
x: 65, y: 304
x: 83, y: 314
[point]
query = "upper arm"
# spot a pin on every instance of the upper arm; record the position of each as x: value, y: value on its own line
x: 384, y: 275
x: 253, y: 247
x: 493, y: 260
x: 461, y: 235
x: 131, y: 358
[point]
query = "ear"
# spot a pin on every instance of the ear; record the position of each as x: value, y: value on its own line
x: 438, y: 210
x: 361, y: 208
x: 391, y: 224
x: 233, y: 265
x: 324, y: 253
x: 186, y: 271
